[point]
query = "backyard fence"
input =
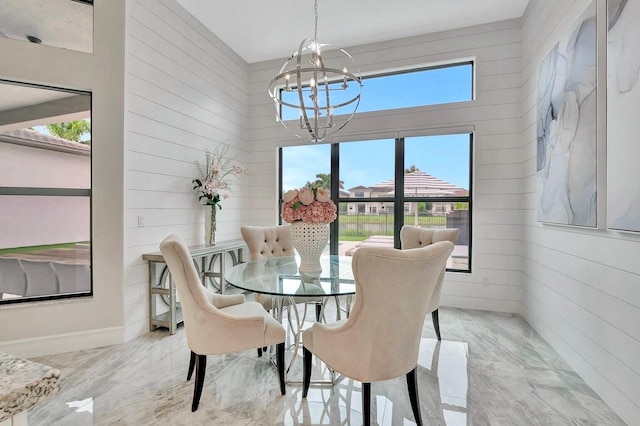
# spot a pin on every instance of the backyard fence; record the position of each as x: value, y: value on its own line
x: 366, y: 225
x: 362, y: 226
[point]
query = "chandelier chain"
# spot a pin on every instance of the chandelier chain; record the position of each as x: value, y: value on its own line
x: 315, y: 16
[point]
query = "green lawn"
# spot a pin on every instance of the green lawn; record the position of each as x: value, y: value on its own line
x: 34, y: 248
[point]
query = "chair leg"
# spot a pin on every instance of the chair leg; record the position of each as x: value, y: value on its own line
x: 436, y: 323
x: 259, y: 352
x: 412, y: 385
x: 318, y: 311
x: 306, y: 371
x: 280, y: 360
x: 192, y: 365
x: 201, y: 367
x: 366, y: 404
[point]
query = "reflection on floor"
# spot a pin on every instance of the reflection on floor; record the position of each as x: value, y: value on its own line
x: 491, y: 369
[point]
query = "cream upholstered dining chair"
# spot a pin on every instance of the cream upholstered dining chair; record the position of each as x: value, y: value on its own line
x: 272, y: 241
x: 380, y: 340
x: 265, y: 242
x: 218, y: 324
x: 13, y: 279
x: 414, y: 237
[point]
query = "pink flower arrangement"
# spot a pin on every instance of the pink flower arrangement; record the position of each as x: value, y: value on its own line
x: 312, y: 205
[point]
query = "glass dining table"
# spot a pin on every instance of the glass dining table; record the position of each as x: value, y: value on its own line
x: 280, y: 278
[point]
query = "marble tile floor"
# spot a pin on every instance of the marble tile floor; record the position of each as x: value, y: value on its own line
x: 490, y: 369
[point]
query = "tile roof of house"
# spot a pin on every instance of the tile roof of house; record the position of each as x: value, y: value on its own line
x: 40, y: 140
x: 421, y: 184
x: 359, y: 187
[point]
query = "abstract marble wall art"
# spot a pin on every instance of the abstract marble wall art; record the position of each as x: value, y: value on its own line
x: 566, y: 127
x: 623, y: 120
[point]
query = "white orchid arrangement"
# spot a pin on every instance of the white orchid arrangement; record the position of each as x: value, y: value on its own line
x: 214, y: 184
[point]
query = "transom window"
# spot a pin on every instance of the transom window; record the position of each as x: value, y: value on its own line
x: 411, y: 88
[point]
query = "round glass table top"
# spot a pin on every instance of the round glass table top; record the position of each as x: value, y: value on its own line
x: 279, y: 276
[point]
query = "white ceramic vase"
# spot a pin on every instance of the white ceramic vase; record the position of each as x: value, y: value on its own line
x: 310, y: 240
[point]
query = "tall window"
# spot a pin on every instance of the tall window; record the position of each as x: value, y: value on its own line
x: 45, y: 193
x: 426, y: 179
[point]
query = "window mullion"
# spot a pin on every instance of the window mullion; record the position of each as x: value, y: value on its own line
x: 334, y: 227
x: 398, y: 205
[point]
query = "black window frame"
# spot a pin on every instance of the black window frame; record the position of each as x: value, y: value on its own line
x: 57, y: 192
x: 397, y: 201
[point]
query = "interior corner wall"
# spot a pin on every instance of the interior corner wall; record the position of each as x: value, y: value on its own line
x: 185, y: 91
x: 581, y: 286
x: 495, y: 283
x: 39, y: 328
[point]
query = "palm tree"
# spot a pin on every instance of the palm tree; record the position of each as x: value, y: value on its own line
x: 323, y: 181
x: 70, y: 130
x: 412, y: 169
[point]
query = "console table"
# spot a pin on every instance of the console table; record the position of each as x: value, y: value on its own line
x: 206, y: 258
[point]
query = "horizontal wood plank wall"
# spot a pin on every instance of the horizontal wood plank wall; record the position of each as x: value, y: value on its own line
x: 185, y: 91
x: 581, y: 287
x: 498, y: 215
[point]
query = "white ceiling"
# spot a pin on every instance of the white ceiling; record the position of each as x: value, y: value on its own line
x: 260, y: 30
x: 59, y: 23
x: 257, y: 30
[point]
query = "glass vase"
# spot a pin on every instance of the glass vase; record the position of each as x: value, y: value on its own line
x: 210, y: 225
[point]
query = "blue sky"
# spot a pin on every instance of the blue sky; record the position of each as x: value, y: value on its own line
x: 367, y: 163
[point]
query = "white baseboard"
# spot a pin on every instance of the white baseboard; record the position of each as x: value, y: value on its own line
x: 67, y: 342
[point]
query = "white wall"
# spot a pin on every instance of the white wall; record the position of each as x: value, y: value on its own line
x: 581, y: 287
x: 31, y: 329
x: 185, y: 91
x: 498, y: 213
x: 55, y: 219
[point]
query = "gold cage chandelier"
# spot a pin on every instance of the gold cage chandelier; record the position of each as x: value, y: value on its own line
x: 318, y: 88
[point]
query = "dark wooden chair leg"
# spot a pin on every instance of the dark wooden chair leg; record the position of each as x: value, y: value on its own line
x: 201, y: 368
x: 412, y: 385
x: 192, y: 365
x: 259, y: 352
x: 280, y: 361
x: 436, y: 323
x: 306, y: 371
x: 318, y: 311
x: 366, y: 404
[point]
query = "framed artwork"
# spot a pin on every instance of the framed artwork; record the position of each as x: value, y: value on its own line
x: 566, y: 127
x: 623, y: 121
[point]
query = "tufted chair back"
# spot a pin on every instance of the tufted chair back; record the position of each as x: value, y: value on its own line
x: 268, y: 241
x: 415, y: 237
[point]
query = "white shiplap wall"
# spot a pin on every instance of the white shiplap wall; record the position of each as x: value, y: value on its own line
x: 185, y: 91
x: 495, y: 116
x: 581, y: 287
